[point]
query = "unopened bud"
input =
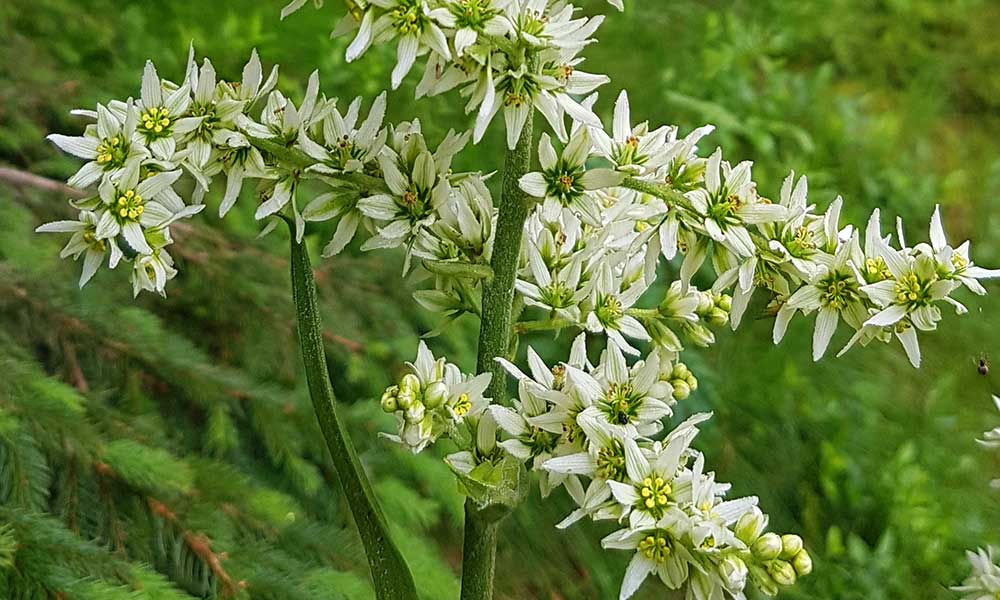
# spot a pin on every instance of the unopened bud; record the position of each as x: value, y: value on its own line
x: 415, y: 413
x: 692, y: 381
x: 725, y: 302
x: 717, y: 317
x: 410, y: 382
x: 750, y: 526
x: 802, y: 563
x: 782, y: 572
x: 680, y: 371
x: 791, y: 545
x: 705, y: 303
x: 734, y: 573
x: 405, y: 398
x: 681, y: 390
x: 388, y: 401
x: 767, y: 546
x: 435, y: 394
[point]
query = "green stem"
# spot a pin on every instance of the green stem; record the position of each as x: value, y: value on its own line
x: 480, y: 549
x: 664, y: 192
x: 390, y: 575
x: 546, y: 325
x: 479, y: 553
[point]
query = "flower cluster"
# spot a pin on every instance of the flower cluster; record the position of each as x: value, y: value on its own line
x: 983, y: 583
x: 432, y: 400
x: 608, y: 207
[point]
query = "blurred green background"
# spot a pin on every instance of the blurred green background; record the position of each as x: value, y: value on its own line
x: 166, y: 448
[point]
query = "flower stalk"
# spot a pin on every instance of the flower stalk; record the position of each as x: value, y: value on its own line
x: 479, y: 550
x: 391, y: 576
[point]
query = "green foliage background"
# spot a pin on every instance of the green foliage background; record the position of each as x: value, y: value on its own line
x: 166, y: 448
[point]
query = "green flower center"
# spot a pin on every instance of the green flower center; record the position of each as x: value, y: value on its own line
x: 540, y: 441
x: 654, y: 495
x: 408, y: 18
x: 534, y: 23
x: 90, y: 238
x: 876, y: 270
x: 472, y: 14
x: 912, y: 291
x: 723, y: 209
x: 564, y: 183
x: 656, y: 546
x: 609, y: 311
x: 620, y: 405
x: 209, y: 122
x: 838, y: 290
x: 155, y: 122
x: 129, y: 206
x: 800, y: 244
x: 611, y: 462
x: 112, y: 152
x: 557, y: 295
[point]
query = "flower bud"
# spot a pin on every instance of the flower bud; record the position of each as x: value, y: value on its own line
x: 415, y: 413
x: 767, y: 546
x: 435, y: 394
x: 389, y: 403
x: 725, y: 302
x: 692, y: 381
x: 734, y: 573
x: 717, y: 317
x: 782, y: 572
x: 791, y: 545
x: 680, y: 371
x: 750, y: 526
x: 705, y: 303
x: 405, y: 398
x: 802, y: 563
x: 410, y: 382
x: 681, y: 390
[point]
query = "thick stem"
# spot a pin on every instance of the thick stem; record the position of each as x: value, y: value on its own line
x: 498, y: 294
x: 480, y: 549
x: 479, y: 554
x: 390, y: 575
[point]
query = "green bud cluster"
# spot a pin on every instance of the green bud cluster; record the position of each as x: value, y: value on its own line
x: 681, y: 379
x: 714, y: 308
x: 777, y: 560
x: 414, y: 399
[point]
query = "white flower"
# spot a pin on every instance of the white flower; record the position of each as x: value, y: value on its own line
x: 408, y: 20
x: 659, y: 550
x: 519, y: 91
x: 129, y: 207
x: 472, y: 18
x: 835, y: 291
x: 84, y: 243
x: 416, y: 192
x: 956, y: 260
x: 623, y: 399
x: 608, y: 308
x: 649, y: 493
x: 728, y: 203
x: 161, y: 119
x: 463, y: 230
x: 984, y: 581
x: 635, y: 150
x: 109, y: 146
x: 565, y: 182
x: 432, y: 400
x: 218, y: 115
x: 347, y: 147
